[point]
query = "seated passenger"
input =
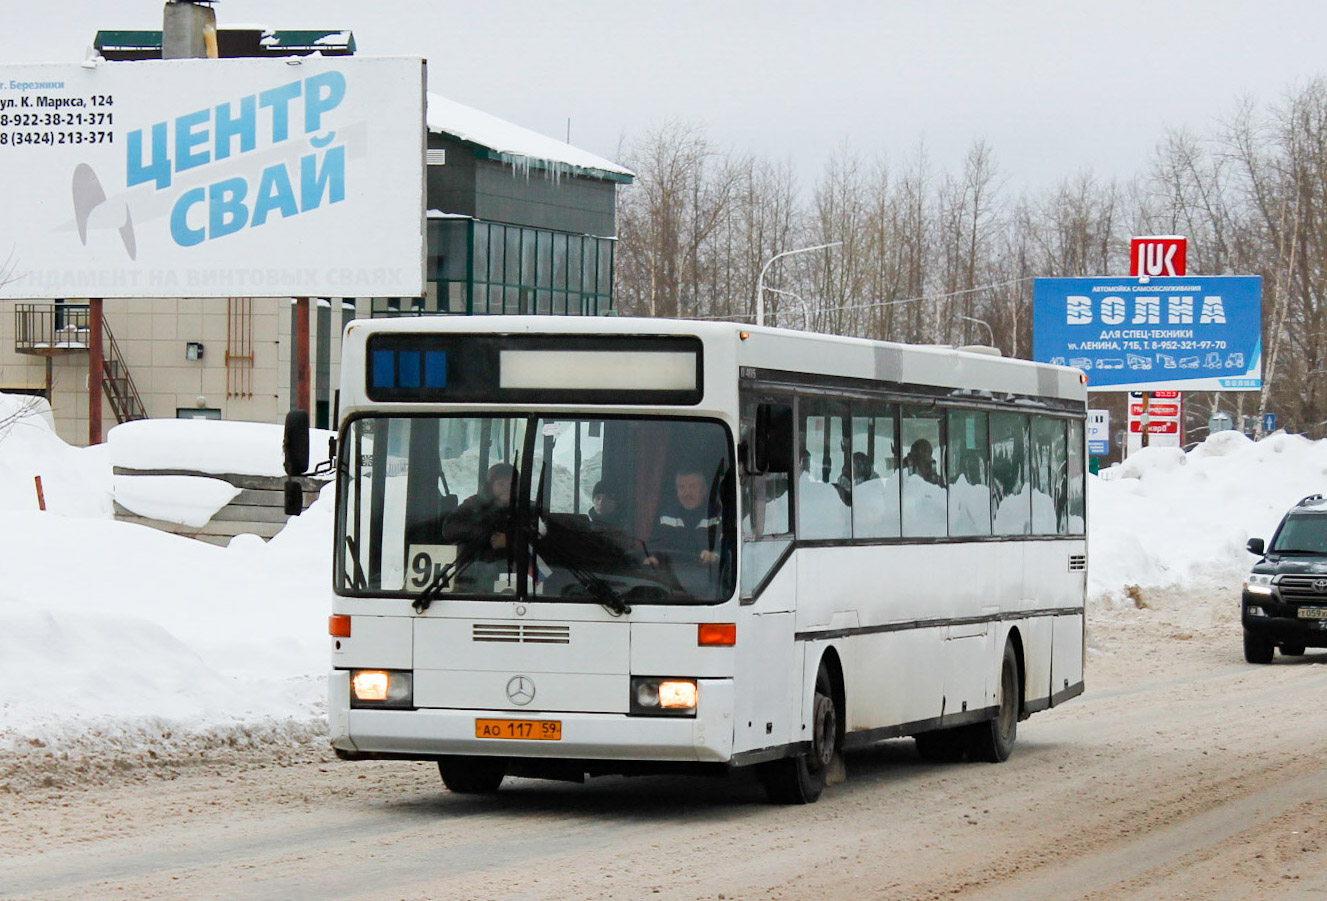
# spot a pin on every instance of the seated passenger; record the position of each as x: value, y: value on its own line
x: 604, y: 512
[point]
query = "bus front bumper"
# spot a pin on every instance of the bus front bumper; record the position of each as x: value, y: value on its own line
x: 425, y: 732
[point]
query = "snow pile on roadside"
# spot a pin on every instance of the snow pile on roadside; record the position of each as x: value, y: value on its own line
x: 75, y: 481
x: 1167, y: 519
x: 115, y: 636
x: 205, y: 445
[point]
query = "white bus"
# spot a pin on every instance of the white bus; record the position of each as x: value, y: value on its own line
x: 570, y: 546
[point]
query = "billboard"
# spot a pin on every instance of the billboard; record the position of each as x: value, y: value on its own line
x: 1192, y: 333
x: 291, y: 177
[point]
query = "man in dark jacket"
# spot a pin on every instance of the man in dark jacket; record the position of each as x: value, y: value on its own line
x: 689, y: 533
x: 482, y: 527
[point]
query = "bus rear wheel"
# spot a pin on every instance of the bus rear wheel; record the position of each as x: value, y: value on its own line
x: 801, y: 779
x: 472, y: 775
x: 993, y: 740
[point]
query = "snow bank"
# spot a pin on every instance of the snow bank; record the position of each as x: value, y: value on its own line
x: 187, y: 500
x: 205, y: 445
x: 1165, y: 518
x: 75, y: 481
x: 114, y: 628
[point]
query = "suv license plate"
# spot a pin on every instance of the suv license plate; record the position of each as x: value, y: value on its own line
x: 529, y: 730
x: 1312, y: 613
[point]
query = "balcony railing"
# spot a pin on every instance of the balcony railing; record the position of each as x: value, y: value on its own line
x: 50, y: 328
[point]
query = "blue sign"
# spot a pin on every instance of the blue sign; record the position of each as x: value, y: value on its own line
x: 1268, y: 423
x: 1199, y: 333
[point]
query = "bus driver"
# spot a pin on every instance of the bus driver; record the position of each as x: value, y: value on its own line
x: 688, y: 531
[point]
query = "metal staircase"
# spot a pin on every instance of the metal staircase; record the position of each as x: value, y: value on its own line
x: 52, y: 330
x: 117, y: 382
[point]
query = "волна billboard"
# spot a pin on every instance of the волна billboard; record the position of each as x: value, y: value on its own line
x: 1194, y: 333
x: 213, y: 178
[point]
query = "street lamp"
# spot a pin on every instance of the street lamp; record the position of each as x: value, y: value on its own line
x: 990, y: 331
x: 760, y: 282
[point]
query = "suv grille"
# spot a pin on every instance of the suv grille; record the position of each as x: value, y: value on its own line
x: 1297, y: 589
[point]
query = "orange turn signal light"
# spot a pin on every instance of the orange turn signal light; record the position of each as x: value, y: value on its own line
x: 717, y: 635
x: 338, y: 625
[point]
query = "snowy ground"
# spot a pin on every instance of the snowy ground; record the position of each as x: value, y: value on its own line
x: 119, y: 642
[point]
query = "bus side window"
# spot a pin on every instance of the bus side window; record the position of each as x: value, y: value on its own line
x: 766, y: 510
x: 1049, y: 489
x: 822, y: 500
x: 875, y: 488
x: 969, y: 483
x: 1076, y: 456
x: 1009, y: 474
x: 925, y: 508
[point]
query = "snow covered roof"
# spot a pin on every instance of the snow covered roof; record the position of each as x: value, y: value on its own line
x: 513, y: 144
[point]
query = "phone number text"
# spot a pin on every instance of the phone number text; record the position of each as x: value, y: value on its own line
x: 55, y: 138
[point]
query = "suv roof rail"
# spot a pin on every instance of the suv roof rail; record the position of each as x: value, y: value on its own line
x: 1308, y: 500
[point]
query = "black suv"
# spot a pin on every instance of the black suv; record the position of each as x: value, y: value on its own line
x: 1285, y: 596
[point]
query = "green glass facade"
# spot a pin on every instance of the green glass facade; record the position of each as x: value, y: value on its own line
x: 478, y: 268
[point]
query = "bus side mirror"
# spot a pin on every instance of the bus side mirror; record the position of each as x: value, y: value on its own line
x: 771, y: 447
x: 295, y: 443
x: 1256, y: 546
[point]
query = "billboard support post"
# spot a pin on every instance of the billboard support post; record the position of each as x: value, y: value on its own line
x: 95, y: 369
x: 302, y: 362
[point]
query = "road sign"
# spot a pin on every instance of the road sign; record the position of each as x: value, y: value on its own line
x: 1268, y: 423
x: 1193, y: 333
x: 1098, y: 432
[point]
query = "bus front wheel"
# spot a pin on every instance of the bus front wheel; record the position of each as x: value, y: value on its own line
x: 472, y: 775
x: 801, y: 779
x: 993, y: 740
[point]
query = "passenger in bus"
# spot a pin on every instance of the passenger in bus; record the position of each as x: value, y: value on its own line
x: 689, y: 532
x: 604, y: 511
x: 921, y: 461
x: 482, y: 528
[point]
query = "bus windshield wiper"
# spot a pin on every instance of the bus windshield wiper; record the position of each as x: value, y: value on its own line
x: 442, y: 580
x: 602, y: 592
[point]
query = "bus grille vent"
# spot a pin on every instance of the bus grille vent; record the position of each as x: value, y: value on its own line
x: 521, y: 632
x: 1077, y: 563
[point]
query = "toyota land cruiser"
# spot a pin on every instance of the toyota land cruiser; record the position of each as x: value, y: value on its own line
x: 1285, y: 595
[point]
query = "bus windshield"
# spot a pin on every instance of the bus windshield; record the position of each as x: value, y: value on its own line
x: 611, y: 510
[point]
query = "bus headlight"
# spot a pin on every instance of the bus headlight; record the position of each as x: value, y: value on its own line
x: 380, y: 688
x: 1258, y: 583
x: 659, y: 696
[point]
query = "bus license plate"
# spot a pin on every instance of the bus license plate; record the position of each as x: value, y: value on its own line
x: 1313, y: 612
x: 529, y: 730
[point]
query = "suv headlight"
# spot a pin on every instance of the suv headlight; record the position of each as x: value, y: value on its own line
x: 1258, y: 583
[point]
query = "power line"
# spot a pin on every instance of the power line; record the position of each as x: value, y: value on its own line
x: 890, y: 303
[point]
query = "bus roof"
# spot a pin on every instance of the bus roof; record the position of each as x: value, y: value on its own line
x: 785, y: 350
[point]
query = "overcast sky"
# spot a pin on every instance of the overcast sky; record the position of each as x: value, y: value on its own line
x: 1054, y: 86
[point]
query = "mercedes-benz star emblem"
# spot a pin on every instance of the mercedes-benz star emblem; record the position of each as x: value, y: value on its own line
x: 520, y: 690
x: 1320, y: 585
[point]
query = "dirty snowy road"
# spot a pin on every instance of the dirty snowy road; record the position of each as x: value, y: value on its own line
x: 1182, y: 773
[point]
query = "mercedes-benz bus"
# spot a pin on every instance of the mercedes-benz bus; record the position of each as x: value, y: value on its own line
x: 569, y: 546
